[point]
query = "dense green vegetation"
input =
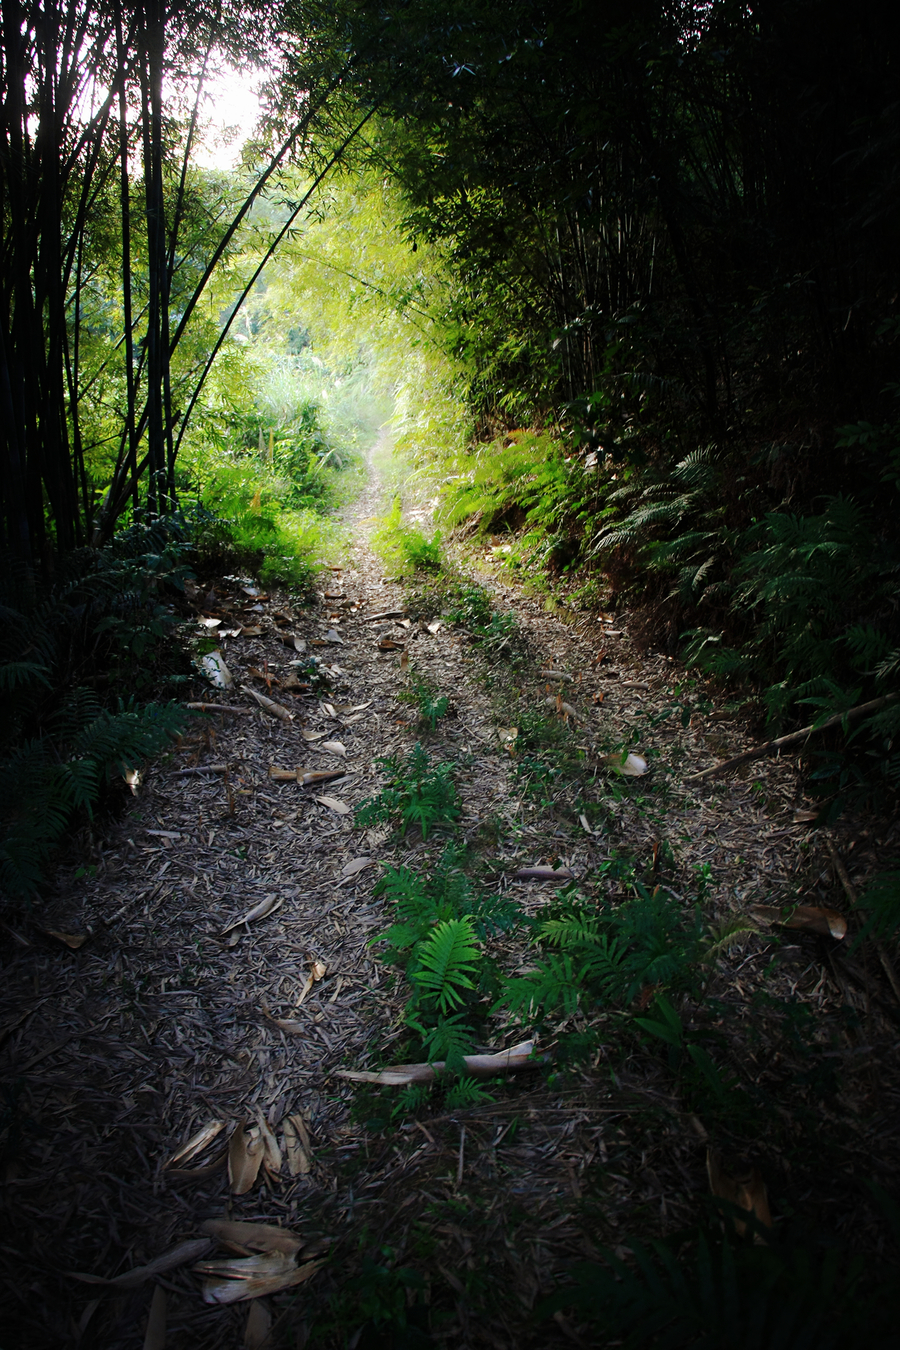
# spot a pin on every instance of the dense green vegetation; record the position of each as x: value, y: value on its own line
x: 668, y: 236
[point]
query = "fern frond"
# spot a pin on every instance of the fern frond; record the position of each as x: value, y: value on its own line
x: 445, y: 962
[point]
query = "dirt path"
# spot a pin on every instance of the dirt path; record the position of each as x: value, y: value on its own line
x: 172, y: 1016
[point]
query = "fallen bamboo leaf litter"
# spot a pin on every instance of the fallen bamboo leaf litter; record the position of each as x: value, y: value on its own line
x: 247, y: 861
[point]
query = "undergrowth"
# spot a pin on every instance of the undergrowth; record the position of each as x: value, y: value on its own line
x: 421, y: 694
x: 65, y: 652
x: 416, y: 794
x: 708, y: 1289
x: 404, y: 547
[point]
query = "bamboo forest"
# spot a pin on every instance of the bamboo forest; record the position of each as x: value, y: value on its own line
x: 450, y: 666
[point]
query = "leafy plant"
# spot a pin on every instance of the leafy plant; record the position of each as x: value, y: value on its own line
x: 819, y: 589
x: 677, y: 521
x: 600, y: 956
x: 59, y: 742
x: 416, y: 794
x: 444, y: 962
x: 498, y: 634
x: 432, y: 706
x: 719, y: 1295
x: 441, y: 924
x: 881, y: 903
x: 404, y: 546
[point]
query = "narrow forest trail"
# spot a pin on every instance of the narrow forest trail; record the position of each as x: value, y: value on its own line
x: 161, y: 1013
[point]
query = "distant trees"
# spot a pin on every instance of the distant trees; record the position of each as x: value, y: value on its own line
x: 683, y: 210
x: 108, y: 240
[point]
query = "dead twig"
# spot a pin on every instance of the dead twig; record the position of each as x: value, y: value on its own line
x: 219, y: 708
x: 793, y: 738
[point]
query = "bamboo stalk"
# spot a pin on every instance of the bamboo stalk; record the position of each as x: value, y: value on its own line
x: 793, y: 738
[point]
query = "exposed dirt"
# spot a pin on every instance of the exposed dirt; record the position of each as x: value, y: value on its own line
x: 118, y: 1048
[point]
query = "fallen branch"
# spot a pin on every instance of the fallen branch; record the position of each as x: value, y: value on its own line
x: 844, y: 878
x: 793, y: 738
x: 200, y: 770
x: 477, y: 1066
x: 220, y: 708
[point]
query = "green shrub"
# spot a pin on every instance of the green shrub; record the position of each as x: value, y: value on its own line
x: 531, y: 484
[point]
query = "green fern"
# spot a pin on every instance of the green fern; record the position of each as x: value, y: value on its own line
x: 416, y: 794
x: 445, y: 1038
x: 445, y: 961
x: 722, y: 1296
x: 58, y: 742
x: 602, y: 956
x: 465, y: 1094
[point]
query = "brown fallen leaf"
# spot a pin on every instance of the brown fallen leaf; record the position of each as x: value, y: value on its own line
x: 317, y: 971
x: 269, y: 705
x: 289, y: 1025
x: 254, y: 1277
x: 197, y: 1143
x: 564, y: 709
x: 155, y: 1330
x: 333, y: 748
x: 804, y: 816
x: 542, y: 873
x: 389, y: 645
x: 259, y: 911
x: 335, y: 804
x: 71, y: 940
x: 477, y: 1066
x: 246, y: 1151
x: 271, y: 1151
x: 251, y: 630
x: 259, y: 1326
x: 317, y: 776
x: 132, y: 1279
x: 556, y: 675
x: 355, y: 866
x: 748, y: 1192
x: 203, y: 1173
x: 258, y: 674
x: 806, y: 918
x: 297, y: 1146
x: 253, y: 1237
x: 291, y: 640
x: 313, y: 735
x: 284, y: 775
x: 404, y: 661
